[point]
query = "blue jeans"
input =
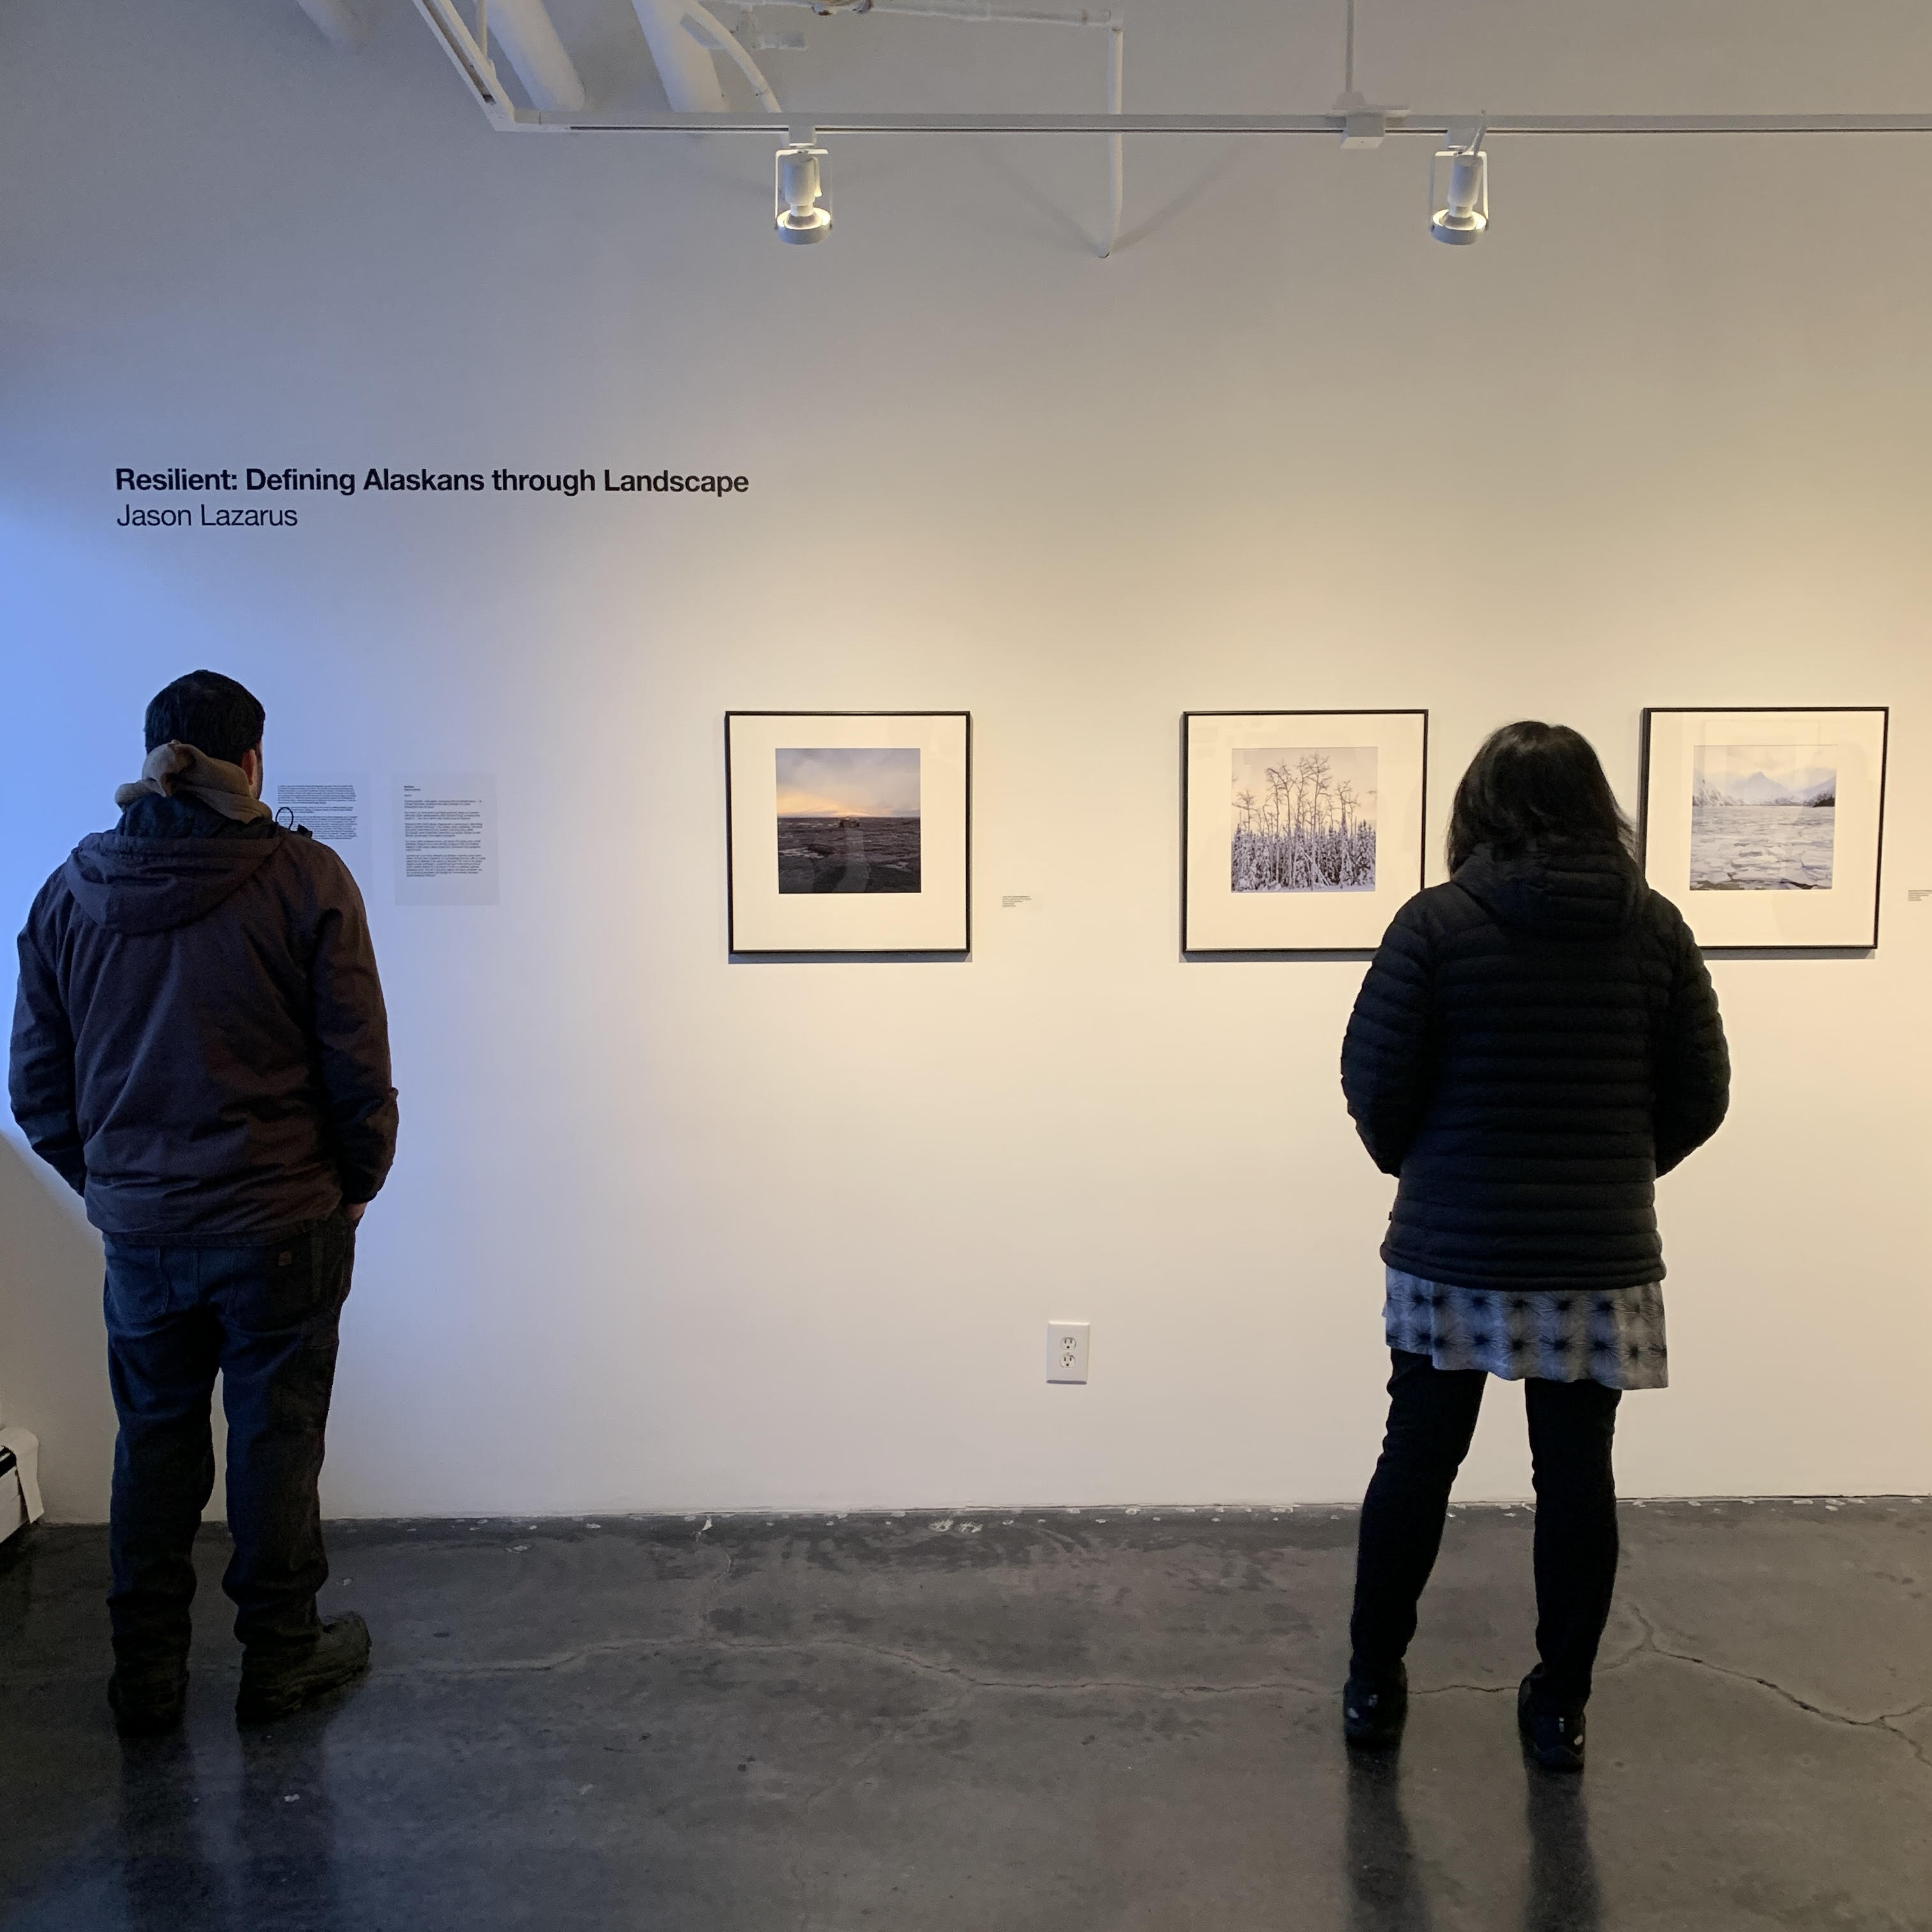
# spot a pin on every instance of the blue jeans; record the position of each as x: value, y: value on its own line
x: 266, y: 1317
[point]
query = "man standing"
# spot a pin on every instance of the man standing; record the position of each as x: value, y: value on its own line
x: 200, y: 1049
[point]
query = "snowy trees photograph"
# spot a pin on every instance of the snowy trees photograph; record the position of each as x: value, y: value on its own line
x: 1303, y: 819
x: 1301, y: 831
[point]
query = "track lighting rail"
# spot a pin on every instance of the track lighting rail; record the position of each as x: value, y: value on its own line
x: 828, y: 121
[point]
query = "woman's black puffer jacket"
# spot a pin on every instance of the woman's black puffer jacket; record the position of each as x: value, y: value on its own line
x: 1535, y: 1042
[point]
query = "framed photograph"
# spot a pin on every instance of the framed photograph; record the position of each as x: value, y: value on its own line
x: 1765, y: 827
x: 848, y: 831
x: 1301, y: 831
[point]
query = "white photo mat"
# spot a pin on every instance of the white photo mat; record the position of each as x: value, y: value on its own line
x: 1851, y: 742
x: 935, y: 919
x: 1216, y: 918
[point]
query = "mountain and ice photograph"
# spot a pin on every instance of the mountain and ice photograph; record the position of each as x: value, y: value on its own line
x: 848, y: 819
x: 1304, y: 819
x: 1763, y: 817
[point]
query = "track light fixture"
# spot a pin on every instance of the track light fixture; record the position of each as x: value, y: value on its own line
x: 801, y: 201
x: 1462, y: 214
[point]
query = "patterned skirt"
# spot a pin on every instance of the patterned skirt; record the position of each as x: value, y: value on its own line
x: 1611, y: 1336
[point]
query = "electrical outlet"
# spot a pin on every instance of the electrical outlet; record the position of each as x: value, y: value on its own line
x: 1067, y: 1351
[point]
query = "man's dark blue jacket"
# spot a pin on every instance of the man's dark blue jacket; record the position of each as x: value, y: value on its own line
x: 200, y: 1042
x: 1535, y: 1042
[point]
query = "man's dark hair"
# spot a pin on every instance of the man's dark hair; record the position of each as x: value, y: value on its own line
x: 218, y: 717
x: 1533, y: 785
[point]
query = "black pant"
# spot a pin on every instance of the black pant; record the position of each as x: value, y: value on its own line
x: 1431, y: 1416
x: 267, y: 1318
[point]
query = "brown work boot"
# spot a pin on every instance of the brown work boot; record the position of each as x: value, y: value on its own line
x: 340, y: 1654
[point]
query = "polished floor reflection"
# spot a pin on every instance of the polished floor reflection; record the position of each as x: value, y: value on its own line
x: 1044, y: 1720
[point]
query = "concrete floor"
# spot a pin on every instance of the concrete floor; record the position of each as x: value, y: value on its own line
x: 1033, y: 1720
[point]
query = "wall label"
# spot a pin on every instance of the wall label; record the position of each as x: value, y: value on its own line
x: 446, y: 842
x: 333, y: 807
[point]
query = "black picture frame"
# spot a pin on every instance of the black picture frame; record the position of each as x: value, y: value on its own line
x: 1865, y: 943
x: 1189, y: 951
x: 738, y: 952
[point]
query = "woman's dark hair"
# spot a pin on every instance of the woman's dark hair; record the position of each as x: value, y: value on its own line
x: 1534, y: 785
x: 218, y: 717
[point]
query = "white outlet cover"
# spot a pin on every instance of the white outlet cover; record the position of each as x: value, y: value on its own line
x: 1066, y: 1343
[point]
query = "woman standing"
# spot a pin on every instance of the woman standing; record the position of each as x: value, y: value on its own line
x: 1535, y: 1042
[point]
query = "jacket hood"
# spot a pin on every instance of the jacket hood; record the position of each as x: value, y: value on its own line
x: 154, y: 885
x: 1567, y: 891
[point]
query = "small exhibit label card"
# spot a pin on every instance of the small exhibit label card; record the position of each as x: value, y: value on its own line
x: 334, y: 809
x: 446, y: 840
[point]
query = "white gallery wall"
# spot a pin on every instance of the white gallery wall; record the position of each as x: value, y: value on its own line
x: 669, y: 1231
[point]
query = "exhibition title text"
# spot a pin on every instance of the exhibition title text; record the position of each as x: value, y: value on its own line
x: 345, y: 482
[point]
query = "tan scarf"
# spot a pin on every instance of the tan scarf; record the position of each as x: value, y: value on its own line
x: 176, y: 767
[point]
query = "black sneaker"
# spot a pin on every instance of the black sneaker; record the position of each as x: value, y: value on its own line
x: 1554, y: 1737
x: 147, y: 1702
x: 1373, y: 1712
x: 340, y: 1655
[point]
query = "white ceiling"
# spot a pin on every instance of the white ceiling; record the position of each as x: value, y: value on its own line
x: 1557, y: 56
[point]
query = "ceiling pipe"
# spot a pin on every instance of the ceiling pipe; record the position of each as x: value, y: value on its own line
x: 683, y: 35
x: 337, y: 23
x: 524, y: 31
x: 976, y: 10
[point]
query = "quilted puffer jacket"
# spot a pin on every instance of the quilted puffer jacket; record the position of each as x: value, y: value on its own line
x: 1535, y: 1042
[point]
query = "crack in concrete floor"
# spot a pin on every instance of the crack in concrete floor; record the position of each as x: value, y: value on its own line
x: 1649, y: 1644
x: 907, y: 1660
x: 1885, y: 1721
x: 970, y: 1681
